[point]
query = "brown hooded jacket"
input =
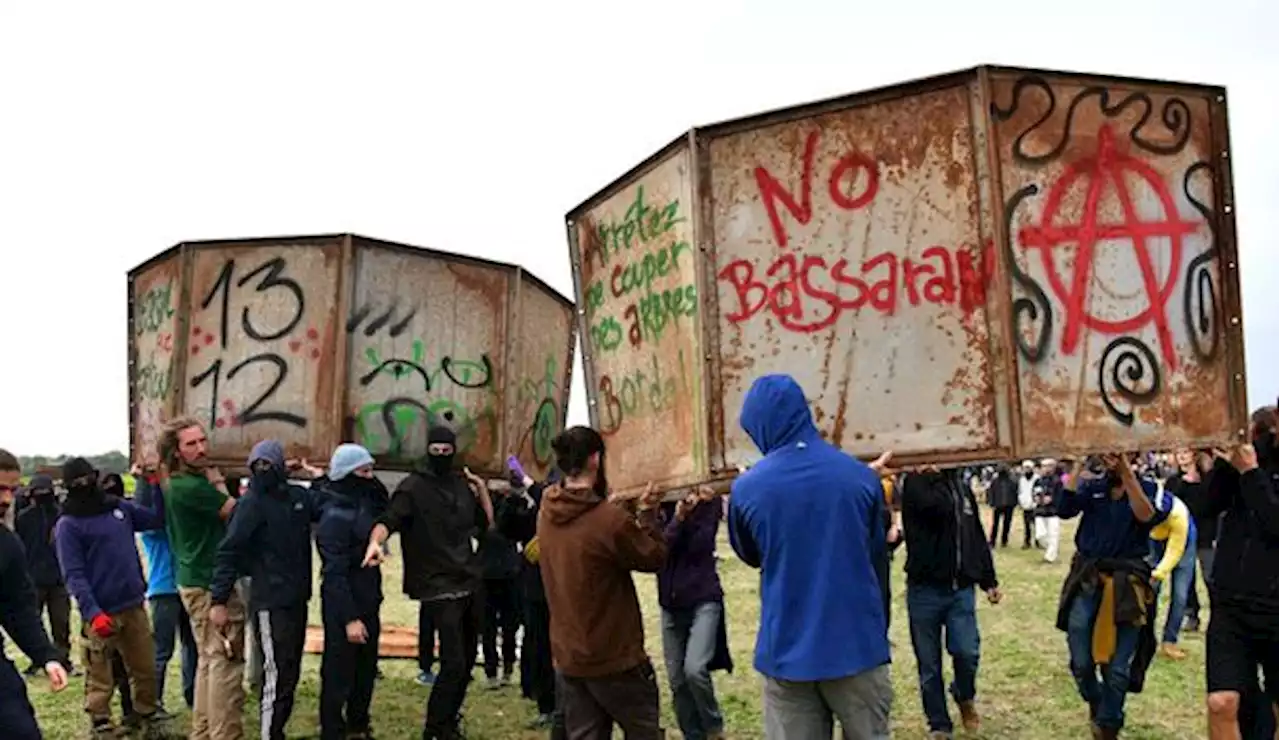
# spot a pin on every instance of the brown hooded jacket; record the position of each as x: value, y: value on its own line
x: 588, y: 550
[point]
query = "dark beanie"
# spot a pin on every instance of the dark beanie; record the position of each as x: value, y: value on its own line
x: 76, y: 467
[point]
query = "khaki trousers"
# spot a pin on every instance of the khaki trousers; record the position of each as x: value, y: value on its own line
x: 132, y: 641
x: 219, y: 707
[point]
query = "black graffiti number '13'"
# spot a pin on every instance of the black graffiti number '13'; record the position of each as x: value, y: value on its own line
x: 272, y: 272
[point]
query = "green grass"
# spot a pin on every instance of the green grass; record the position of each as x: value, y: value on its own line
x: 1024, y: 688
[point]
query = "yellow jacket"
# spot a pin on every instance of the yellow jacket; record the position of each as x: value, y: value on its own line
x: 1174, y: 530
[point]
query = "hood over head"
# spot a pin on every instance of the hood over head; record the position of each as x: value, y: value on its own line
x: 272, y: 452
x: 40, y: 485
x: 562, y: 505
x: 775, y: 413
x: 347, y: 458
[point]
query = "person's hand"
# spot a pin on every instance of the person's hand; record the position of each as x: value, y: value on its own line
x: 893, y: 535
x: 57, y: 675
x: 686, y: 506
x: 102, y: 625
x: 214, y: 476
x: 135, y: 470
x: 477, y: 483
x: 994, y: 595
x: 356, y: 633
x: 1244, y: 457
x: 651, y: 497
x: 218, y: 615
x: 881, y: 464
x: 372, y: 555
x: 306, y: 468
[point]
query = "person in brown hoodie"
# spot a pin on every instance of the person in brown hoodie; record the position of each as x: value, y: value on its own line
x: 589, y: 544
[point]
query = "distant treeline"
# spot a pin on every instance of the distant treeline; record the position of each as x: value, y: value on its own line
x: 111, y: 462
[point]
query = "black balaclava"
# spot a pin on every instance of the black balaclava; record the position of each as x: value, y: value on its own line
x: 84, y: 496
x: 441, y: 464
x: 262, y: 477
x: 41, y: 491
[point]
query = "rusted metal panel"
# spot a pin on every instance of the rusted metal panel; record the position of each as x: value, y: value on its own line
x: 154, y: 308
x: 427, y: 342
x: 259, y: 344
x: 1113, y: 222
x: 849, y: 254
x: 636, y: 278
x: 541, y: 360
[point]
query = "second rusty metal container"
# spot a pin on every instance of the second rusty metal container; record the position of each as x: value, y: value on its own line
x: 323, y: 339
x: 984, y: 265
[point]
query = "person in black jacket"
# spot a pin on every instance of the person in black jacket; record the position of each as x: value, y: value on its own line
x: 1242, y: 634
x: 947, y: 554
x: 1003, y: 493
x: 437, y: 513
x: 350, y: 596
x: 1189, y: 485
x: 21, y: 622
x: 269, y: 538
x: 34, y: 526
x: 517, y: 519
x: 500, y: 567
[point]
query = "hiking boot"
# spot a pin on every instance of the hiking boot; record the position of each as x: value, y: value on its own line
x: 1172, y: 651
x: 969, y: 716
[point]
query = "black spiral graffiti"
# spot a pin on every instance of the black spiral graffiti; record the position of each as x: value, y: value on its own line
x: 1035, y: 307
x: 1135, y: 376
x: 1199, y: 297
x: 1175, y: 115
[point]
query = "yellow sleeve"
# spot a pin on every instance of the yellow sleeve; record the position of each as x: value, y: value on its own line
x: 1175, y: 545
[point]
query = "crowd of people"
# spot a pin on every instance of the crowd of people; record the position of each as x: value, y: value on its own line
x: 228, y: 575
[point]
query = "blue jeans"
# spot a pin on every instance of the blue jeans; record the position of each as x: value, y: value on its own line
x: 688, y: 644
x: 1182, y: 578
x: 930, y: 609
x: 1105, y: 697
x: 169, y: 620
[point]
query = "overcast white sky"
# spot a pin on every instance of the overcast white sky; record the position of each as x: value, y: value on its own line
x: 473, y: 127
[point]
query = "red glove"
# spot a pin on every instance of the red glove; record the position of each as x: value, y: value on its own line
x: 102, y: 625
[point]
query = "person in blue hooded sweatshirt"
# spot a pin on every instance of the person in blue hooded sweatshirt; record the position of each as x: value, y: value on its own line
x: 811, y: 518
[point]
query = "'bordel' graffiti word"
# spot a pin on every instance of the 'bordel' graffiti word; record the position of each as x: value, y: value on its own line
x: 844, y: 173
x: 1110, y: 166
x: 806, y: 294
x: 638, y: 393
x: 640, y: 224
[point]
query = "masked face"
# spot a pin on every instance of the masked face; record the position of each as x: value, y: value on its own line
x: 440, y: 457
x: 264, y: 475
x: 84, y: 487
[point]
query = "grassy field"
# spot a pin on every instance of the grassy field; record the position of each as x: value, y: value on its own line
x: 1024, y: 689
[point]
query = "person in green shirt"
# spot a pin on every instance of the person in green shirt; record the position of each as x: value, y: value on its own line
x: 197, y: 507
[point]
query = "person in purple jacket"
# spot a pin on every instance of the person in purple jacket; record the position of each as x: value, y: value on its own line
x: 99, y: 560
x: 694, y: 638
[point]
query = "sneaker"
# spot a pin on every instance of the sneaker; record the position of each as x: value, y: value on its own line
x: 1192, y: 624
x: 426, y: 678
x: 969, y: 716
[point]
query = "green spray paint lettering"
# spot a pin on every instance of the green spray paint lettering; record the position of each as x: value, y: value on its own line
x: 641, y: 223
x: 154, y: 309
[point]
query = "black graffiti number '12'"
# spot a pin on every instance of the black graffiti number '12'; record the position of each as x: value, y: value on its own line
x: 250, y: 413
x: 272, y: 273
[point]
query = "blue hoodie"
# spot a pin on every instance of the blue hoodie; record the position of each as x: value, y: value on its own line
x: 161, y: 563
x: 811, y: 518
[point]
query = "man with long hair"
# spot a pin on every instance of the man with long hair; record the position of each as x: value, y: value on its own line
x: 588, y: 547
x: 438, y: 512
x: 197, y: 507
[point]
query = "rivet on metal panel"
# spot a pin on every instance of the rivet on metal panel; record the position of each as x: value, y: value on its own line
x: 1239, y: 377
x: 568, y: 222
x: 582, y: 312
x: 1235, y: 320
x: 592, y: 401
x: 1224, y: 153
x: 1231, y: 265
x: 1222, y: 98
x: 1226, y: 208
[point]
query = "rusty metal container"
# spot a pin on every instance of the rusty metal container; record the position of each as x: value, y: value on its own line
x: 984, y: 265
x: 324, y: 339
